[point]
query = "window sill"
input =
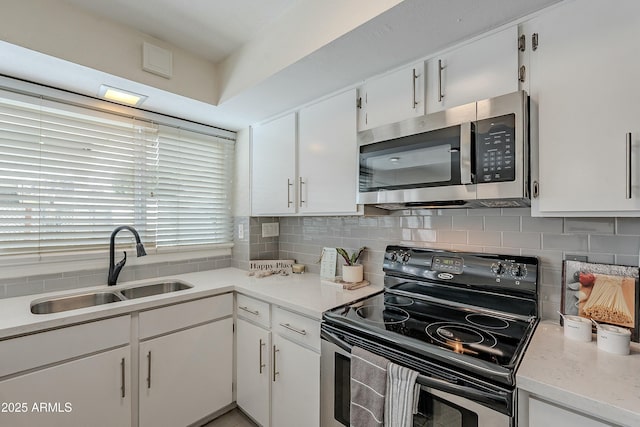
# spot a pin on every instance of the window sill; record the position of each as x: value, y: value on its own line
x: 70, y: 263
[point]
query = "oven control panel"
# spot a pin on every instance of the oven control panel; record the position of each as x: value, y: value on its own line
x: 447, y: 264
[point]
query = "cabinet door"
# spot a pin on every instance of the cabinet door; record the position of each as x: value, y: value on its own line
x: 327, y: 156
x: 481, y: 69
x: 253, y: 370
x: 393, y: 97
x: 273, y: 172
x: 295, y: 385
x: 584, y: 93
x: 542, y: 414
x: 187, y: 375
x: 92, y: 391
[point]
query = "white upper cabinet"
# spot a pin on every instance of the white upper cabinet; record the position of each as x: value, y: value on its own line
x: 273, y: 167
x: 306, y: 163
x: 327, y: 156
x: 482, y: 69
x: 392, y: 97
x: 585, y: 108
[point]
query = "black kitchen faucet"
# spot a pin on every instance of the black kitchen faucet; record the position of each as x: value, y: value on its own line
x: 114, y: 269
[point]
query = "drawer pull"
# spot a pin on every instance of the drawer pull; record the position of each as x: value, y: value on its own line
x: 255, y: 313
x: 291, y: 328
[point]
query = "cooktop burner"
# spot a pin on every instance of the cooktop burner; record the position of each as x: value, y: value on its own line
x: 484, y: 321
x: 398, y: 301
x: 457, y: 335
x: 386, y: 315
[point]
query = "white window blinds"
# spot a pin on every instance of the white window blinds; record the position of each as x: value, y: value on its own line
x: 70, y: 175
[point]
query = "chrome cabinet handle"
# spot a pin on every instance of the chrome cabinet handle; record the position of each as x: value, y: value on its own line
x: 291, y: 328
x: 440, y: 68
x: 300, y: 190
x: 122, y: 379
x: 255, y: 313
x: 275, y: 371
x: 262, y: 365
x: 289, y: 185
x: 149, y: 370
x: 628, y: 164
x: 415, y: 77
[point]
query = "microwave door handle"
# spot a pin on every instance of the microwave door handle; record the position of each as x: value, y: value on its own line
x: 465, y: 153
x: 436, y: 383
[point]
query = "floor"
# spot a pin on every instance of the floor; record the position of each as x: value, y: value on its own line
x: 233, y: 418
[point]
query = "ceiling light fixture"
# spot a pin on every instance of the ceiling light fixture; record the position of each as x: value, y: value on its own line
x: 121, y: 96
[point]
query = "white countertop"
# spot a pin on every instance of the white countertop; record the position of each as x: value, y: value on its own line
x: 581, y: 377
x: 304, y: 293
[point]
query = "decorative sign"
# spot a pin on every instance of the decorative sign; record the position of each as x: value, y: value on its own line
x: 328, y: 261
x: 275, y: 266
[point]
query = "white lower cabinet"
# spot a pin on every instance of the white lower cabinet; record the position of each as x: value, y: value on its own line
x: 91, y: 391
x: 543, y: 414
x: 296, y: 385
x: 187, y: 375
x: 253, y: 377
x: 278, y: 365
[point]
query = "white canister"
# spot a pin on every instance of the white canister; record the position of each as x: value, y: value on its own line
x: 614, y: 339
x: 577, y: 328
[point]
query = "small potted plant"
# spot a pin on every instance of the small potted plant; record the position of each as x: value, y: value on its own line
x: 351, y: 271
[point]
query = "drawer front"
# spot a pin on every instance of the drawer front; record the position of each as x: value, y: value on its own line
x: 32, y: 351
x: 174, y: 317
x: 296, y: 327
x: 254, y: 310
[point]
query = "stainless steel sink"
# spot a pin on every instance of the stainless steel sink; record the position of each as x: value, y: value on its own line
x: 73, y: 302
x: 56, y: 305
x: 154, y: 289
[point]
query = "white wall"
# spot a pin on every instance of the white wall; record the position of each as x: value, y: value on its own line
x: 57, y: 29
x: 315, y: 24
x: 242, y: 175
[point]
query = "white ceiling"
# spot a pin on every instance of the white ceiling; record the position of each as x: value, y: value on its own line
x: 213, y: 29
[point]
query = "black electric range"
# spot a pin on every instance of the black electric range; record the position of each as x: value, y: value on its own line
x: 464, y: 318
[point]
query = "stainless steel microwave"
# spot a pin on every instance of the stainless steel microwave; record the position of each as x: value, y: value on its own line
x: 474, y: 155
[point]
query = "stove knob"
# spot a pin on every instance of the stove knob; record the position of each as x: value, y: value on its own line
x: 518, y: 270
x: 498, y: 268
x: 393, y: 257
x: 405, y: 257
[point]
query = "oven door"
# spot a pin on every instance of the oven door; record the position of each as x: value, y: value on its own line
x: 435, y: 407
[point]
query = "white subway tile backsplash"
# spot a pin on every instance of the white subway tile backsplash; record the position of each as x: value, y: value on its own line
x: 543, y: 225
x: 502, y: 223
x: 623, y: 245
x: 485, y: 238
x: 467, y: 223
x: 568, y: 242
x: 422, y: 235
x: 437, y: 222
x: 589, y: 225
x: 513, y: 239
x: 452, y: 236
x: 628, y: 226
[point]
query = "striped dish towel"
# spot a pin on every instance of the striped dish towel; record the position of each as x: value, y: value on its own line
x: 402, y: 396
x: 368, y: 385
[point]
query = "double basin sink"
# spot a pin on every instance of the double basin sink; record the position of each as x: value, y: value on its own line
x: 73, y: 302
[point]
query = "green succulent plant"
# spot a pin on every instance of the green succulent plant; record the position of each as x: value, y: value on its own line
x: 353, y: 258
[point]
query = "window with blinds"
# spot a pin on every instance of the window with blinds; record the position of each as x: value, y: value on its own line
x: 70, y: 175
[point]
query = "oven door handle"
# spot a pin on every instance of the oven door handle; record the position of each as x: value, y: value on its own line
x: 500, y: 397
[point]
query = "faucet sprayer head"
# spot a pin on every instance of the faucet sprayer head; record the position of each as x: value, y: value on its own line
x: 140, y: 249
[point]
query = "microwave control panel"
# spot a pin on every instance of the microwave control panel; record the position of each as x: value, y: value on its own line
x: 495, y: 149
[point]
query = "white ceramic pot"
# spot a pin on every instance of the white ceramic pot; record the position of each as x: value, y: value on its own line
x: 614, y: 339
x: 577, y: 328
x: 353, y: 273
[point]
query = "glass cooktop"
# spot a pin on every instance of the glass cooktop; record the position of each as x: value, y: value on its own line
x: 489, y: 337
